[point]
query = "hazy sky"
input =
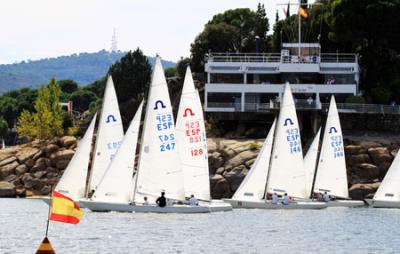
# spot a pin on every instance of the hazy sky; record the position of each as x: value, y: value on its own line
x: 34, y: 29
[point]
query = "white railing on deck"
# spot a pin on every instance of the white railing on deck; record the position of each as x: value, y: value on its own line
x: 277, y: 57
x: 305, y: 105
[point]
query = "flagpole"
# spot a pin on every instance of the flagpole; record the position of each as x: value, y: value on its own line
x: 49, y: 212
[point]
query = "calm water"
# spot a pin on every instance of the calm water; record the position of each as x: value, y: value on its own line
x: 333, y: 230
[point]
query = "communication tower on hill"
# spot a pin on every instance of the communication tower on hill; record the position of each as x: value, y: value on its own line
x: 114, y: 42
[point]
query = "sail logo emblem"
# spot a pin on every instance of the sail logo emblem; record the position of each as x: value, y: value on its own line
x: 332, y: 129
x: 159, y: 102
x: 288, y: 120
x: 185, y: 114
x: 111, y: 117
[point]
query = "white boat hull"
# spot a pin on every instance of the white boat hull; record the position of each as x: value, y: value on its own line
x: 269, y: 205
x: 96, y: 206
x: 345, y: 203
x: 382, y: 204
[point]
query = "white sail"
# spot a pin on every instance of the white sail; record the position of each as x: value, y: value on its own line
x: 389, y: 190
x: 117, y: 183
x: 331, y: 173
x: 253, y: 186
x: 286, y: 174
x: 159, y: 164
x: 109, y: 135
x: 310, y: 161
x: 192, y: 142
x: 73, y: 180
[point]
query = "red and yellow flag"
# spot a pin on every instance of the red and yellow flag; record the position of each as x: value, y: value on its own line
x: 45, y: 247
x: 303, y: 13
x: 65, y: 209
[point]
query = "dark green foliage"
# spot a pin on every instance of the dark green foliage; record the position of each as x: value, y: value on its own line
x: 131, y: 76
x: 231, y: 31
x: 3, y: 127
x: 68, y: 86
x: 355, y: 99
x: 381, y: 95
x: 170, y: 72
x: 9, y: 109
x: 81, y: 99
x: 181, y: 67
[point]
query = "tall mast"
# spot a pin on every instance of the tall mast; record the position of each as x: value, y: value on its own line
x: 299, y: 16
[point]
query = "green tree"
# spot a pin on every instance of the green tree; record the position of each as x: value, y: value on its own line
x: 9, y: 109
x: 181, y: 67
x: 170, y: 72
x: 3, y: 127
x: 68, y: 86
x: 231, y: 31
x: 131, y: 76
x: 81, y: 99
x: 47, y: 120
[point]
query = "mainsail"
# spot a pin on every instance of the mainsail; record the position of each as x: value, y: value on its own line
x: 286, y: 174
x: 159, y: 167
x: 253, y: 186
x: 117, y: 183
x: 73, y: 180
x: 192, y: 142
x: 331, y: 176
x: 389, y: 190
x: 310, y: 161
x: 109, y: 135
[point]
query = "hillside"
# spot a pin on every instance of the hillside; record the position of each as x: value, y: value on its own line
x: 84, y: 68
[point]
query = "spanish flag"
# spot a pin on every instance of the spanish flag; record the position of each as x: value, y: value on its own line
x: 65, y: 209
x: 303, y: 13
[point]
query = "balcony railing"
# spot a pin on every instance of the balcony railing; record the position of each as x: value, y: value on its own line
x: 304, y: 105
x: 277, y: 57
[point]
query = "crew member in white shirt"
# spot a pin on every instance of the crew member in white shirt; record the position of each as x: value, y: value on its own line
x: 274, y: 199
x: 326, y: 197
x: 285, y: 200
x: 145, y: 201
x: 193, y: 201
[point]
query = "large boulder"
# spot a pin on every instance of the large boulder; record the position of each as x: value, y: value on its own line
x: 215, y: 161
x: 7, y: 190
x: 211, y: 146
x: 7, y: 160
x: 8, y: 169
x: 220, y: 188
x: 68, y: 141
x: 240, y: 159
x: 359, y: 159
x: 62, y: 164
x: 50, y: 148
x: 40, y: 164
x: 236, y: 176
x: 26, y: 153
x: 368, y: 144
x: 352, y: 149
x: 380, y: 155
x: 21, y: 169
x: 361, y: 191
x: 366, y: 171
x: 61, y: 155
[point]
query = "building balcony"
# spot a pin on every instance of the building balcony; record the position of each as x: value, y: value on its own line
x: 278, y: 88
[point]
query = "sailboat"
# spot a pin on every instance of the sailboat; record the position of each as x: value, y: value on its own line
x: 278, y: 167
x: 117, y: 184
x: 109, y: 135
x: 388, y: 193
x: 331, y: 176
x: 159, y: 166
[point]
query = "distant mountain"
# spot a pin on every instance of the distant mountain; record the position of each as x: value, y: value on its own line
x: 84, y: 68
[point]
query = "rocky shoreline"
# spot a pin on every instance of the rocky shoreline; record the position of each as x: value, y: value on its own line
x: 31, y: 169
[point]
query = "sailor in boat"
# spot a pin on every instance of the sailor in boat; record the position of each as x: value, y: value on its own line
x: 274, y: 199
x: 161, y: 201
x: 326, y: 197
x: 193, y: 201
x: 285, y: 200
x: 145, y: 202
